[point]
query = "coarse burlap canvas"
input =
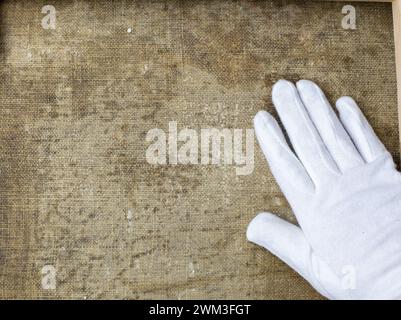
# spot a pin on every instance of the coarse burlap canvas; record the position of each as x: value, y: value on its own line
x: 77, y: 194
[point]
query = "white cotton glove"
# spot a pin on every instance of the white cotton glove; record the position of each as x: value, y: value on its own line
x: 344, y: 190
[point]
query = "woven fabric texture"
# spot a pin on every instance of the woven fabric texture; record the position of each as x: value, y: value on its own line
x: 76, y: 191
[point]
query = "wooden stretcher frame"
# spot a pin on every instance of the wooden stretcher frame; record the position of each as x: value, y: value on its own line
x: 397, y: 42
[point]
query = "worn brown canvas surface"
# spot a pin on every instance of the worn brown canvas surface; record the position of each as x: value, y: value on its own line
x: 76, y: 191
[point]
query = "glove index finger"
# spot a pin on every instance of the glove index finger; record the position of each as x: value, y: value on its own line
x: 285, y: 166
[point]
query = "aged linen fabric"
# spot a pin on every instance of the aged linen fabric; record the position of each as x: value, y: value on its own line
x: 76, y: 102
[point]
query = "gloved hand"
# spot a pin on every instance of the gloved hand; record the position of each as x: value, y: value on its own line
x: 344, y: 190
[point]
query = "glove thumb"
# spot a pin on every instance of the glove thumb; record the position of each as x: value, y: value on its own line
x: 287, y: 242
x: 281, y: 238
